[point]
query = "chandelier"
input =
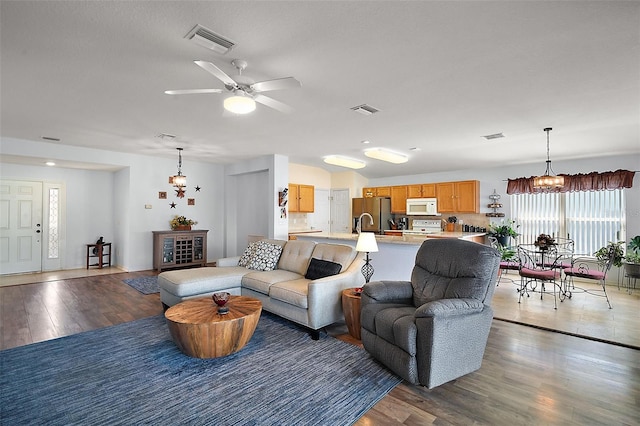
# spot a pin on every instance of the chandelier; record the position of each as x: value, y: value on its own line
x: 548, y: 180
x: 179, y: 180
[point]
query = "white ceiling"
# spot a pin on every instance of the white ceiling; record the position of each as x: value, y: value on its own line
x: 443, y: 74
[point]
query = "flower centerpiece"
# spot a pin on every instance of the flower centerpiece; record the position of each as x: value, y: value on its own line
x: 544, y: 241
x: 503, y: 231
x: 181, y: 223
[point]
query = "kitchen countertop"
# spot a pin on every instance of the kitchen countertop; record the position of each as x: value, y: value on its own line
x: 396, y: 239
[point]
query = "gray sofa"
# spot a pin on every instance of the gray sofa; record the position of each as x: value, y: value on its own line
x: 284, y: 290
x: 434, y: 328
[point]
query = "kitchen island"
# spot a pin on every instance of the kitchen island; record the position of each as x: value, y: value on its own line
x: 396, y: 255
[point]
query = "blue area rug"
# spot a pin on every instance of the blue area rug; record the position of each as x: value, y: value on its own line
x: 133, y: 373
x: 145, y: 285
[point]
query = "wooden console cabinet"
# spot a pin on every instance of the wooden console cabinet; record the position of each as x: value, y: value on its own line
x: 178, y: 249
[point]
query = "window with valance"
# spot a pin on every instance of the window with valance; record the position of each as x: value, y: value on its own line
x: 593, y: 181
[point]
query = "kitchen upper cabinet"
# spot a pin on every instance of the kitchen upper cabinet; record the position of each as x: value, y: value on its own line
x: 398, y: 199
x: 301, y: 198
x: 425, y: 190
x: 458, y: 197
x: 379, y: 191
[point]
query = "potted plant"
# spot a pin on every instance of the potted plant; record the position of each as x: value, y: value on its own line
x: 611, y: 249
x: 503, y: 231
x: 181, y: 223
x: 544, y: 241
x: 632, y: 258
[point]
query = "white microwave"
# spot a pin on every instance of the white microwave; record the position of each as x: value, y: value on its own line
x: 422, y: 207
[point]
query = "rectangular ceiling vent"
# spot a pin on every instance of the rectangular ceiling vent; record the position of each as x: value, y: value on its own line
x: 166, y: 136
x: 365, y: 109
x: 207, y: 38
x: 494, y: 136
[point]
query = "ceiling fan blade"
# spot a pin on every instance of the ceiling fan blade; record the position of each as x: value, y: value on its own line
x: 276, y: 84
x: 217, y: 72
x: 191, y: 91
x: 272, y: 103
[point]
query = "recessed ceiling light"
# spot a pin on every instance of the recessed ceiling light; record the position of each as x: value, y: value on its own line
x: 339, y: 160
x: 50, y: 163
x: 386, y: 155
x: 365, y: 142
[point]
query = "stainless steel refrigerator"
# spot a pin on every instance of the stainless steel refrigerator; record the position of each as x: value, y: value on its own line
x: 378, y: 207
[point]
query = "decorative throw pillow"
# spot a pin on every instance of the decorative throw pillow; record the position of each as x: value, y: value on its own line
x: 265, y: 257
x: 322, y: 268
x: 248, y: 254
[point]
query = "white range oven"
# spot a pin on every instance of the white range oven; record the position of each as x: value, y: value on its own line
x: 424, y: 227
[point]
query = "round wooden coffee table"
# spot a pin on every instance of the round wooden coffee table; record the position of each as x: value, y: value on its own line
x: 200, y: 331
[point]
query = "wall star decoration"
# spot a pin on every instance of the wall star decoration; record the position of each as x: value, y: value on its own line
x: 180, y: 191
x: 173, y: 205
x: 198, y: 189
x: 191, y: 201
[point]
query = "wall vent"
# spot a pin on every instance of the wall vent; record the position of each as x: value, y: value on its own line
x: 49, y: 138
x: 365, y: 109
x: 494, y: 136
x: 166, y: 136
x: 207, y: 38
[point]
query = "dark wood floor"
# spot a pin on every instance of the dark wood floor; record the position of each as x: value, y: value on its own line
x: 528, y: 376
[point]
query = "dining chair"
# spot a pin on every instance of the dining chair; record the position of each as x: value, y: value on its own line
x: 590, y: 269
x: 539, y: 266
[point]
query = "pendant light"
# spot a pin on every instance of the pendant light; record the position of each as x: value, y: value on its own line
x: 548, y: 180
x: 179, y: 180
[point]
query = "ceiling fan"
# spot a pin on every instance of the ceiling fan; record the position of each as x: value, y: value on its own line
x: 245, y: 90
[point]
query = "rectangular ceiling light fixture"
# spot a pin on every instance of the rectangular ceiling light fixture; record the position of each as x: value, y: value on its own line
x: 339, y: 160
x: 207, y: 38
x: 386, y: 155
x: 365, y: 109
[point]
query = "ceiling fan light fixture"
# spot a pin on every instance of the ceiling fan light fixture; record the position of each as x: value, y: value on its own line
x: 239, y: 103
x: 386, y: 155
x: 339, y: 160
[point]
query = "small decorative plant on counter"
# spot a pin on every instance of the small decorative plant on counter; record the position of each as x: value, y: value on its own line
x: 503, y: 231
x: 544, y: 241
x: 181, y: 223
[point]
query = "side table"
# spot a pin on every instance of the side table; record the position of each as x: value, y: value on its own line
x: 101, y: 252
x: 351, y: 309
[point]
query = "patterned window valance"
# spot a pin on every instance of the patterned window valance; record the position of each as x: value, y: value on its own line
x: 593, y: 181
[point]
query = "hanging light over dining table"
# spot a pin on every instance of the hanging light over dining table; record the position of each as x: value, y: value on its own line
x: 548, y: 180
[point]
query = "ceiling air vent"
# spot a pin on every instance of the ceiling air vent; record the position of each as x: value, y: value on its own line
x: 207, y: 38
x: 365, y: 109
x: 494, y: 136
x: 166, y: 136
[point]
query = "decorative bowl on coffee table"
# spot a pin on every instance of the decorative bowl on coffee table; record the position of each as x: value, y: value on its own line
x: 221, y: 300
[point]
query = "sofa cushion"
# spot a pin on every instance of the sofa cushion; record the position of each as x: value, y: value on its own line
x: 265, y: 257
x: 248, y: 254
x: 295, y: 256
x: 322, y: 268
x: 260, y: 281
x: 189, y: 282
x: 293, y: 292
x: 338, y: 253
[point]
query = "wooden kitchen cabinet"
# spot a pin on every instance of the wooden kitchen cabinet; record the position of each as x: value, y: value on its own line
x: 301, y: 198
x: 425, y: 190
x: 178, y: 249
x: 377, y: 191
x: 458, y: 197
x: 398, y: 199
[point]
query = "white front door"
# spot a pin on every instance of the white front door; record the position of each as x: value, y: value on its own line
x: 20, y: 227
x: 340, y: 211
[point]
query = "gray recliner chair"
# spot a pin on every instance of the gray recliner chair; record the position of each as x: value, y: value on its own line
x: 434, y: 328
